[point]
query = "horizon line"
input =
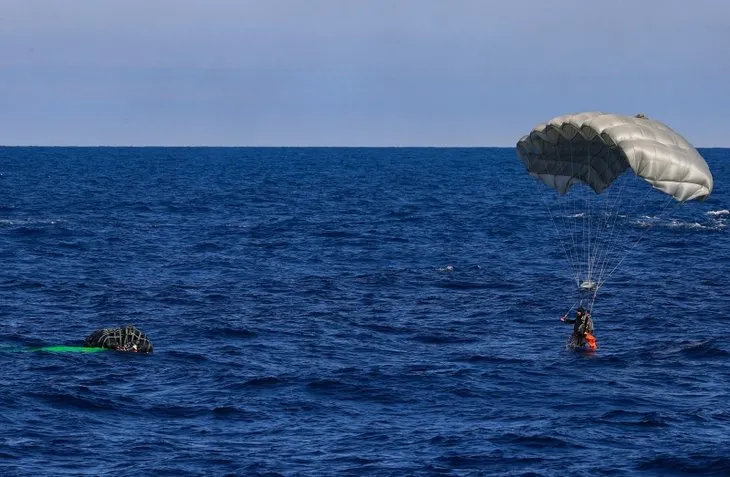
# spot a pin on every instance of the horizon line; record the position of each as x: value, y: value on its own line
x: 208, y: 146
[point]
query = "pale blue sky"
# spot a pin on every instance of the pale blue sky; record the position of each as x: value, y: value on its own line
x: 359, y: 72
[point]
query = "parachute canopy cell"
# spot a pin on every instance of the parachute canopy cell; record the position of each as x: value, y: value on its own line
x: 596, y: 148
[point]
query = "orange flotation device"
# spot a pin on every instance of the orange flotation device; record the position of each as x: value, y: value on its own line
x: 591, y: 341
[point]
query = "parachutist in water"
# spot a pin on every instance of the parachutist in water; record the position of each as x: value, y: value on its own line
x: 582, y: 329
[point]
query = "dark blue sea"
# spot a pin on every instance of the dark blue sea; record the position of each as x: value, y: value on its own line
x: 346, y: 311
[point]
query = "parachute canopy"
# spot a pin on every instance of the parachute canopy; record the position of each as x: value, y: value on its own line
x: 596, y: 148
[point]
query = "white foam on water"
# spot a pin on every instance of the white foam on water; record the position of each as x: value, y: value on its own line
x: 27, y: 222
x: 718, y: 213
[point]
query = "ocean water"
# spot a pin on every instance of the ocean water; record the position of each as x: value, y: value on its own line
x: 346, y: 311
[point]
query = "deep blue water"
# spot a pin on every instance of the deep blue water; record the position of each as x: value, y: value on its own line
x: 346, y: 312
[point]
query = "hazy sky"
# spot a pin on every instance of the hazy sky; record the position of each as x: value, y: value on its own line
x: 357, y: 72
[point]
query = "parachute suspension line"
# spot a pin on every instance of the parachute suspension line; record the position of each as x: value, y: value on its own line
x: 603, y: 242
x: 569, y: 217
x: 570, y: 213
x: 612, y: 206
x: 593, y: 300
x: 561, y: 220
x: 608, y: 251
x: 572, y: 307
x: 599, y: 244
x: 589, y: 248
x: 586, y: 218
x: 576, y: 212
x: 618, y: 255
x: 586, y: 227
x: 589, y: 241
x: 557, y: 232
x: 643, y: 234
x: 605, y: 238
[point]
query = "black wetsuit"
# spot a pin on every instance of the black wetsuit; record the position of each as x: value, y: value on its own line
x: 582, y: 324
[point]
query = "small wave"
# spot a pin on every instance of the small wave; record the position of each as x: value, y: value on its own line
x: 540, y: 441
x: 338, y: 234
x: 446, y: 441
x: 492, y: 359
x: 187, y: 209
x: 407, y: 211
x: 231, y: 412
x: 629, y: 418
x: 383, y: 328
x: 644, y: 224
x: 73, y: 245
x: 465, y: 393
x: 694, y: 464
x: 185, y: 355
x: 460, y: 285
x: 721, y: 415
x: 174, y: 411
x: 207, y: 247
x: 338, y: 389
x: 718, y: 213
x: 265, y: 381
x: 678, y: 224
x: 381, y: 278
x: 362, y: 464
x: 704, y: 349
x: 29, y: 285
x: 716, y: 224
x: 456, y: 461
x: 136, y: 206
x: 443, y: 339
x: 217, y: 297
x: 471, y: 460
x: 31, y: 222
x: 324, y: 385
x: 68, y: 400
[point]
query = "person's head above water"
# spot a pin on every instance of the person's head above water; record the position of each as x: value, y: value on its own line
x: 580, y: 311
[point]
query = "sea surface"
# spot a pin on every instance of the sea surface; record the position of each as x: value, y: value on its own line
x: 347, y: 311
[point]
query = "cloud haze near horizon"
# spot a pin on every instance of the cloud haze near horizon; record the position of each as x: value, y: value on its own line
x: 329, y: 72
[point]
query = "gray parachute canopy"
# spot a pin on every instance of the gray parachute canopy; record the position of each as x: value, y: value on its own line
x: 596, y: 148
